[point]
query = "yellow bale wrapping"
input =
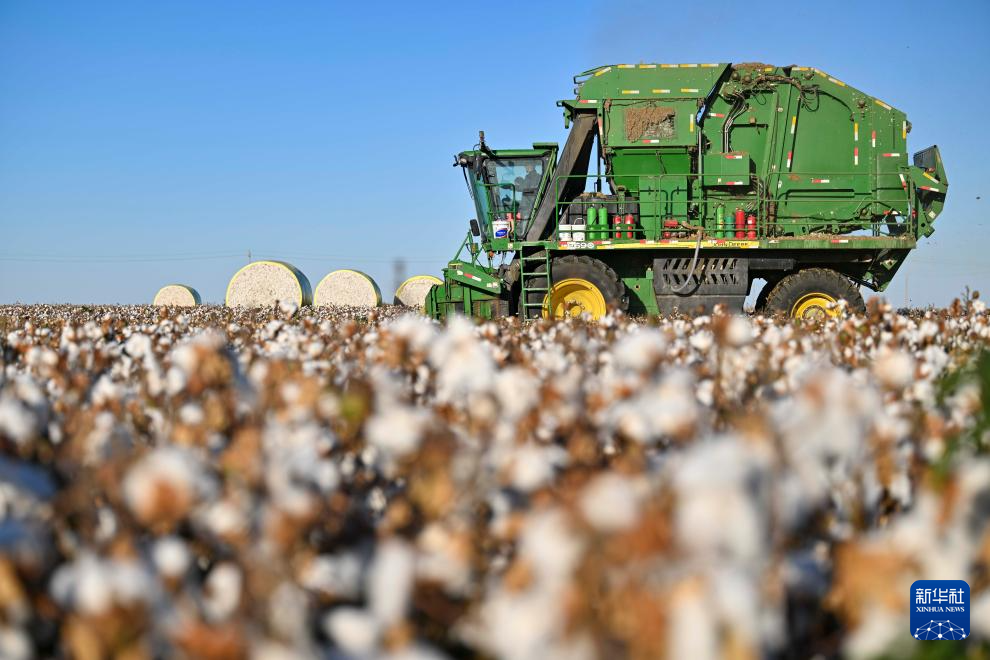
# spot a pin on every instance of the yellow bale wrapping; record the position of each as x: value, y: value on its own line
x: 413, y: 292
x: 263, y: 283
x: 346, y: 287
x: 177, y: 295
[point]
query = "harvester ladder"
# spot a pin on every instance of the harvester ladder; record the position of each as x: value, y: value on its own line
x: 528, y: 262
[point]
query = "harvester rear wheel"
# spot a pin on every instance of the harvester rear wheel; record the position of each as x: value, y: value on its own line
x: 760, y: 307
x: 582, y: 285
x: 811, y: 294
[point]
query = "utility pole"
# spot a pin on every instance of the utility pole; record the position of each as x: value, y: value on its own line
x: 249, y: 255
x: 906, y: 297
x: 398, y: 273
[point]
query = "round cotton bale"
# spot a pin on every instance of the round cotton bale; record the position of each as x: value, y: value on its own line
x: 413, y: 292
x: 263, y: 283
x: 177, y: 295
x: 351, y: 288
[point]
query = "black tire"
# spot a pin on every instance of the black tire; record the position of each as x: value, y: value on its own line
x: 761, y: 300
x: 785, y: 296
x: 586, y: 268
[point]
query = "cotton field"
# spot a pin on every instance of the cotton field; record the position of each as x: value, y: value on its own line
x: 330, y: 482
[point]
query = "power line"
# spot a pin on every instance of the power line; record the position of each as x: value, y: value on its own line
x: 142, y: 258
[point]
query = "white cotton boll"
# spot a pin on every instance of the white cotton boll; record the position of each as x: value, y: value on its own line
x: 638, y: 349
x: 130, y: 582
x: 184, y: 357
x: 92, y: 592
x: 516, y: 390
x: 705, y: 392
x: 419, y: 331
x: 550, y: 546
x: 716, y: 511
x: 610, y: 503
x: 739, y: 332
x: 532, y: 467
x: 287, y: 612
x: 894, y: 369
x: 396, y: 430
x: 702, y: 340
x: 223, y: 518
x: 693, y: 627
x: 17, y: 422
x: 354, y: 630
x: 390, y: 581
x: 138, y: 346
x: 174, y: 469
x: 223, y: 591
x: 15, y: 644
x: 191, y: 414
x: 337, y: 575
x: 175, y: 381
x: 267, y: 649
x: 463, y: 364
x: 171, y: 556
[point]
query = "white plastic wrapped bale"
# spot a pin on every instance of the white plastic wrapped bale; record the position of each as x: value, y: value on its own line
x: 262, y: 283
x: 349, y: 288
x: 177, y: 295
x: 413, y: 292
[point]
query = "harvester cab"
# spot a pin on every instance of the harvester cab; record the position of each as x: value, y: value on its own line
x: 505, y: 185
x: 682, y: 185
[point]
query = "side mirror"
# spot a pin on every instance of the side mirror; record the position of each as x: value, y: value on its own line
x: 475, y: 229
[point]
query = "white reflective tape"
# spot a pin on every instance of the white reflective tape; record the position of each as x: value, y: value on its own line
x: 627, y: 66
x: 688, y: 66
x: 882, y: 104
x: 689, y: 90
x: 601, y: 71
x: 661, y: 91
x: 855, y: 132
x: 647, y: 66
x: 793, y: 123
x: 630, y: 91
x: 837, y: 82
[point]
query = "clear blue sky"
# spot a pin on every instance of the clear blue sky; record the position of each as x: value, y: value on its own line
x: 138, y: 137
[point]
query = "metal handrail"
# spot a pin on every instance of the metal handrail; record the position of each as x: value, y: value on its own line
x: 757, y: 199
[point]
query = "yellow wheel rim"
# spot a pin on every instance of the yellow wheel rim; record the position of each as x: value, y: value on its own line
x: 572, y: 298
x: 815, y: 306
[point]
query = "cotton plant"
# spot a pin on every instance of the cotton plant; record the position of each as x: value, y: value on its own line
x: 333, y: 482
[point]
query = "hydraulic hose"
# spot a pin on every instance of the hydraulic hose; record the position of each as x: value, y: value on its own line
x: 694, y: 263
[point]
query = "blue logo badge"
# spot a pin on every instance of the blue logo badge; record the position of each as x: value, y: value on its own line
x: 940, y: 609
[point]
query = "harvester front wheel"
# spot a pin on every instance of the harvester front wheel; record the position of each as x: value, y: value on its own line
x: 812, y: 294
x: 583, y: 285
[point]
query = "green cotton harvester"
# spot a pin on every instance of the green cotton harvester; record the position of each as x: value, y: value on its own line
x: 681, y: 184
